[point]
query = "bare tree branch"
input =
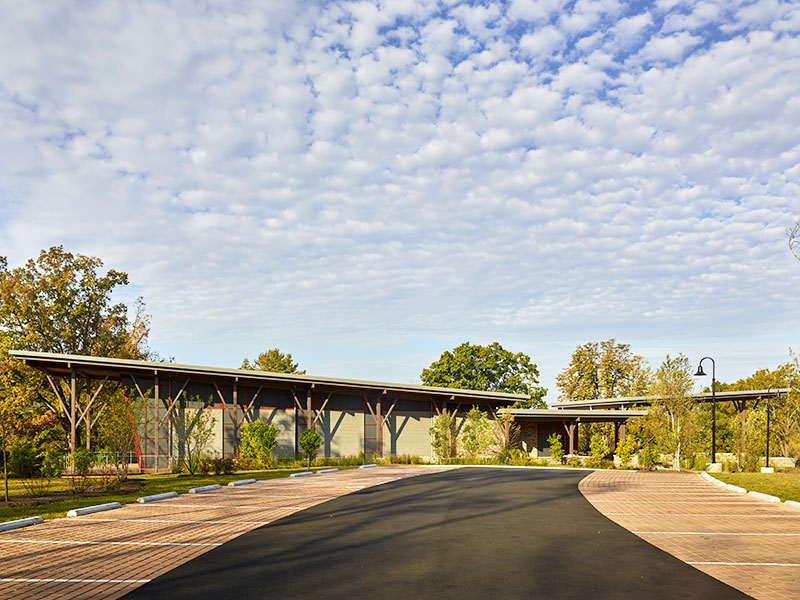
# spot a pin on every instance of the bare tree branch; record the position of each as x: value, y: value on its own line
x: 793, y: 233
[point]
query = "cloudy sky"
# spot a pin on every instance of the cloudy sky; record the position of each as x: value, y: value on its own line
x: 366, y: 184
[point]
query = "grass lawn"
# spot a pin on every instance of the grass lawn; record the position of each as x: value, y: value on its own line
x: 784, y: 485
x: 153, y: 484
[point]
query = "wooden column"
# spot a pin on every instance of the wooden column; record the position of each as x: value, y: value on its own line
x: 73, y: 406
x: 235, y: 444
x: 379, y: 427
x: 158, y: 421
x: 570, y: 427
x: 309, y: 410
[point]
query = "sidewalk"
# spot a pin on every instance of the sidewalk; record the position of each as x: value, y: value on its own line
x: 747, y: 543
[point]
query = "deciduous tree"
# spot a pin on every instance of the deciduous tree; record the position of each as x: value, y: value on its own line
x: 603, y: 370
x: 273, y: 360
x: 489, y: 368
x: 673, y: 408
x: 62, y: 303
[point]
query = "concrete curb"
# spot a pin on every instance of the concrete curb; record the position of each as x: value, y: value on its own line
x: 713, y: 480
x: 303, y: 474
x: 735, y: 488
x: 79, y: 512
x: 765, y: 497
x: 9, y: 525
x: 157, y: 497
x: 368, y: 466
x: 241, y: 482
x: 205, y: 488
x: 754, y: 494
x: 328, y: 471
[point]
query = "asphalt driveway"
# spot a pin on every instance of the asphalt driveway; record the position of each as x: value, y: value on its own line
x: 467, y: 533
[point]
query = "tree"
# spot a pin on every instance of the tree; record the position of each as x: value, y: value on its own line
x: 194, y: 429
x: 259, y: 439
x: 556, y: 447
x: 673, y: 408
x: 603, y: 370
x: 476, y: 434
x: 121, y: 419
x: 489, y: 368
x: 61, y: 303
x: 506, y: 433
x: 444, y: 436
x: 310, y: 441
x: 793, y: 233
x: 273, y: 360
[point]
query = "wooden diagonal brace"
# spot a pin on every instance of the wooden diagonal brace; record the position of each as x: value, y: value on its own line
x: 247, y: 407
x: 296, y: 401
x: 174, y: 401
x: 321, y: 408
x: 55, y: 391
x: 85, y: 411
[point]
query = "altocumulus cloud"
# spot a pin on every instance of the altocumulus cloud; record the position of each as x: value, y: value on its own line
x: 367, y: 183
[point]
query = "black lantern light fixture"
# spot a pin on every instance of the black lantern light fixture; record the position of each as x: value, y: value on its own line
x: 701, y: 373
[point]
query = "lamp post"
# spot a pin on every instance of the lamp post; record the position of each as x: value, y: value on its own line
x: 701, y: 373
x: 769, y: 409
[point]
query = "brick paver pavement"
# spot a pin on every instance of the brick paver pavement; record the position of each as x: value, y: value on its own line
x: 107, y: 554
x: 749, y: 544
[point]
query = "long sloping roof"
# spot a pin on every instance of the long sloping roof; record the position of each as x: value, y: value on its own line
x: 623, y: 402
x: 98, y: 367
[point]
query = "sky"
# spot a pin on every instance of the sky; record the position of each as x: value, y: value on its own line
x: 368, y: 184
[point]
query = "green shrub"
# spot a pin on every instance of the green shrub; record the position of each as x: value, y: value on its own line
x: 222, y: 466
x: 259, y: 440
x: 598, y: 449
x: 647, y: 456
x: 626, y: 449
x: 556, y: 447
x: 575, y: 461
x: 82, y: 463
x: 22, y: 461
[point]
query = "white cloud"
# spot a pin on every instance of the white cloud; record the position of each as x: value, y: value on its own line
x: 413, y: 173
x: 542, y: 42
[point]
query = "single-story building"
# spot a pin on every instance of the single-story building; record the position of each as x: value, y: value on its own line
x: 352, y: 416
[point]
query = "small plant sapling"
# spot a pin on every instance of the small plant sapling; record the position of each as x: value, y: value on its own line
x: 310, y: 441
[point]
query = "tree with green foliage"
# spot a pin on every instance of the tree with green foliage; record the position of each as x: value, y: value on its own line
x: 476, y: 434
x: 506, y: 433
x: 603, y: 370
x: 273, y: 360
x: 259, y: 439
x: 121, y: 419
x: 310, y: 441
x: 61, y: 303
x: 556, y: 447
x: 674, y: 418
x: 626, y: 450
x: 488, y: 368
x: 444, y: 436
x: 193, y: 428
x: 598, y: 450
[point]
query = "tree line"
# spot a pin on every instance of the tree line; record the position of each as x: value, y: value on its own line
x: 62, y: 302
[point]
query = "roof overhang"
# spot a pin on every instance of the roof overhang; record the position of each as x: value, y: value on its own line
x: 95, y: 367
x: 628, y: 401
x: 579, y: 415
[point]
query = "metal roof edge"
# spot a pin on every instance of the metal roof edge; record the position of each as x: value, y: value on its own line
x: 100, y: 361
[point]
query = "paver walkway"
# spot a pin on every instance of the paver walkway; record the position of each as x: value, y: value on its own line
x: 108, y: 554
x: 749, y: 544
